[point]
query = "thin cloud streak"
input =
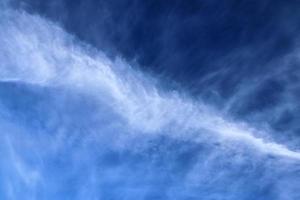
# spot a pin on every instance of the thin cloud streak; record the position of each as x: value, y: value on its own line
x: 36, y: 51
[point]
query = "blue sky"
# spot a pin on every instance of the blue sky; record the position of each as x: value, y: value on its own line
x: 149, y: 100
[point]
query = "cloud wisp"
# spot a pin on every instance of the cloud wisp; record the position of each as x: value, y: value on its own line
x: 36, y: 53
x: 39, y: 52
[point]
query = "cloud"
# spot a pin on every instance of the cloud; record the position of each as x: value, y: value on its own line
x: 125, y: 110
x: 39, y: 52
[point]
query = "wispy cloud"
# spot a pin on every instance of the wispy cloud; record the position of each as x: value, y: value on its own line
x: 36, y: 51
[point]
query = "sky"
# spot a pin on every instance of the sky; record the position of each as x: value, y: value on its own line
x: 149, y: 100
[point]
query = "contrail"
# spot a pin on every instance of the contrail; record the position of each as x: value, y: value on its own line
x: 33, y: 50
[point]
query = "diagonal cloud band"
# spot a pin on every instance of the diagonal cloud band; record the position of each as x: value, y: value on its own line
x: 36, y: 51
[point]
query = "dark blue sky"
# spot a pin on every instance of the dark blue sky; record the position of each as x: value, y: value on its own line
x: 184, y: 41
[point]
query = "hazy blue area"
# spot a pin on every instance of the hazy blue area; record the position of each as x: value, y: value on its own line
x: 149, y: 100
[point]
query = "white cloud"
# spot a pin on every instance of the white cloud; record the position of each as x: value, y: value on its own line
x: 36, y: 51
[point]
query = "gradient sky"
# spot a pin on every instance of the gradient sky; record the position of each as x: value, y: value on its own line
x: 149, y: 100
